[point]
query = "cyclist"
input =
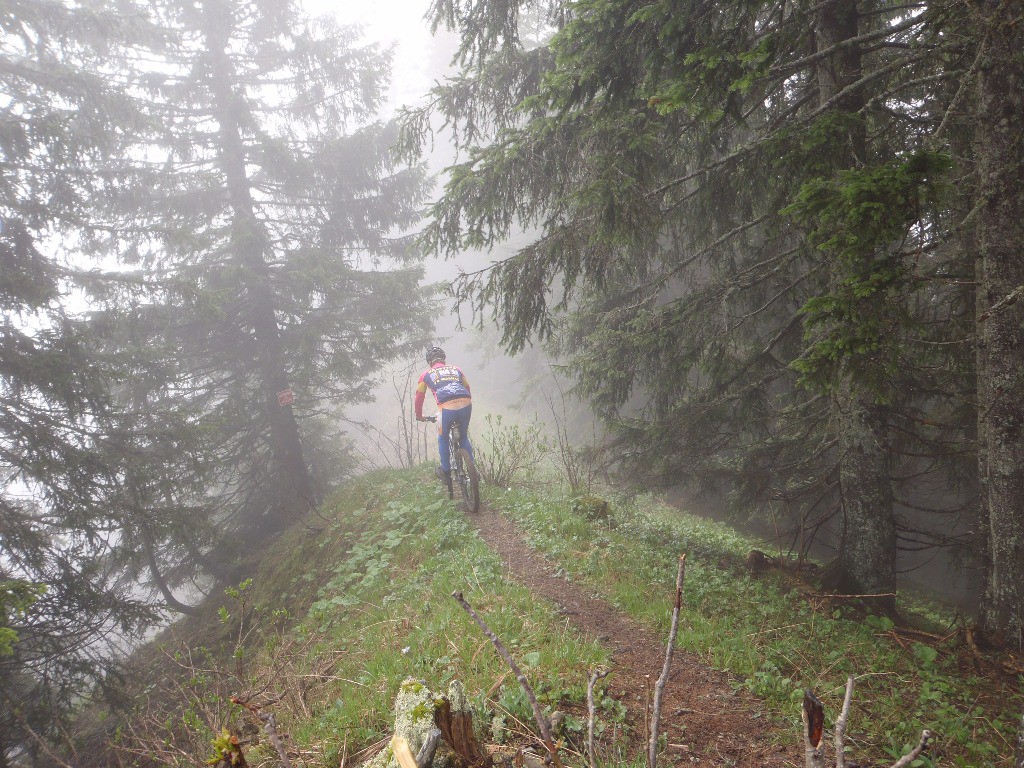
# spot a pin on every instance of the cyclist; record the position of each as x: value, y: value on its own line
x: 451, y: 391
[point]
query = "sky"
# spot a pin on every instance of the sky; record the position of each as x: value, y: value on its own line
x: 390, y: 22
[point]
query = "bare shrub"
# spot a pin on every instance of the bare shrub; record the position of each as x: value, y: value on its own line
x: 200, y: 701
x: 581, y: 465
x: 405, y: 443
x: 505, y: 451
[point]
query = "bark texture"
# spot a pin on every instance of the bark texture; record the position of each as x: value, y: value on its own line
x: 1000, y: 153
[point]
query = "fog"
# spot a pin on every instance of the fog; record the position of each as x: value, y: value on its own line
x: 526, y: 386
x: 519, y: 386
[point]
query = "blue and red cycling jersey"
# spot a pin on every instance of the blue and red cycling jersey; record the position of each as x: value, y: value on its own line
x: 448, y: 384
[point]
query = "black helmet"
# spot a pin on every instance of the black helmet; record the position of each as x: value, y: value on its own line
x: 435, y: 354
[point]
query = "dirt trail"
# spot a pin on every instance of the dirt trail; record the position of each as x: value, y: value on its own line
x: 705, y: 721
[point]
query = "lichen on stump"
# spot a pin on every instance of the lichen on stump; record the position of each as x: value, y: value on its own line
x: 414, y: 719
x: 418, y: 712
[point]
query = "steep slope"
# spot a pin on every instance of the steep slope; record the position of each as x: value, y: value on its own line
x: 356, y: 598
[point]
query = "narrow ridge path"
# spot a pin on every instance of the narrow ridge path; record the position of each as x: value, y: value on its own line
x: 706, y: 722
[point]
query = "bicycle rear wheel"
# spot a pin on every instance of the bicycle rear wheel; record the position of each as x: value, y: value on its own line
x: 469, y: 481
x: 454, y: 440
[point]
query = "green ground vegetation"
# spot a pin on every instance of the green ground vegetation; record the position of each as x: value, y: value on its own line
x: 774, y: 638
x: 355, y: 599
x: 343, y: 609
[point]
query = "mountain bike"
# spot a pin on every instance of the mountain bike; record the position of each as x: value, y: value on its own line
x: 463, y: 472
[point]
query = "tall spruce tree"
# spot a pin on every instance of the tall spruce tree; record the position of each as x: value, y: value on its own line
x: 61, y: 120
x: 1000, y: 156
x: 744, y: 194
x: 266, y: 219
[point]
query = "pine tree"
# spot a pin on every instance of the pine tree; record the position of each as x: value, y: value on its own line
x: 1000, y: 123
x: 707, y: 181
x: 60, y: 122
x: 267, y: 222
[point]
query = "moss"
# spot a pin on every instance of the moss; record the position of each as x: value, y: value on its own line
x: 414, y: 717
x: 591, y: 507
x: 412, y: 686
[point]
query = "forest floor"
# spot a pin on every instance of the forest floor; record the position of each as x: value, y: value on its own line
x: 341, y: 609
x: 706, y: 720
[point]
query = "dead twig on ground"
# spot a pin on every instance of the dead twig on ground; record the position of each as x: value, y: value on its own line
x: 596, y: 675
x: 270, y: 726
x: 538, y: 715
x: 659, y: 687
x: 835, y: 596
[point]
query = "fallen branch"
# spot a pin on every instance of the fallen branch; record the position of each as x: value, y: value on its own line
x: 836, y: 596
x: 542, y: 724
x: 596, y: 675
x: 912, y: 755
x: 659, y: 687
x: 270, y: 726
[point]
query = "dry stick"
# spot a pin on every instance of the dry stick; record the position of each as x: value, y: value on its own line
x: 596, y: 675
x: 915, y: 753
x: 647, y: 708
x: 844, y: 715
x: 426, y: 754
x: 659, y: 688
x: 402, y: 753
x: 542, y: 724
x: 855, y: 597
x: 270, y: 726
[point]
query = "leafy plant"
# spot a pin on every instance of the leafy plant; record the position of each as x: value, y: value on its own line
x: 15, y: 599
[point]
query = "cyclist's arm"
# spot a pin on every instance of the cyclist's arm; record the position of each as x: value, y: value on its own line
x: 465, y: 381
x: 421, y: 393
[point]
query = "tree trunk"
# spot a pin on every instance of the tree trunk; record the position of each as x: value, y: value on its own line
x: 1000, y: 154
x: 867, y: 548
x: 294, y: 489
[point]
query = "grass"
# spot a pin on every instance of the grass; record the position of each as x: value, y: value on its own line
x: 774, y: 642
x: 367, y: 585
x: 356, y: 599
